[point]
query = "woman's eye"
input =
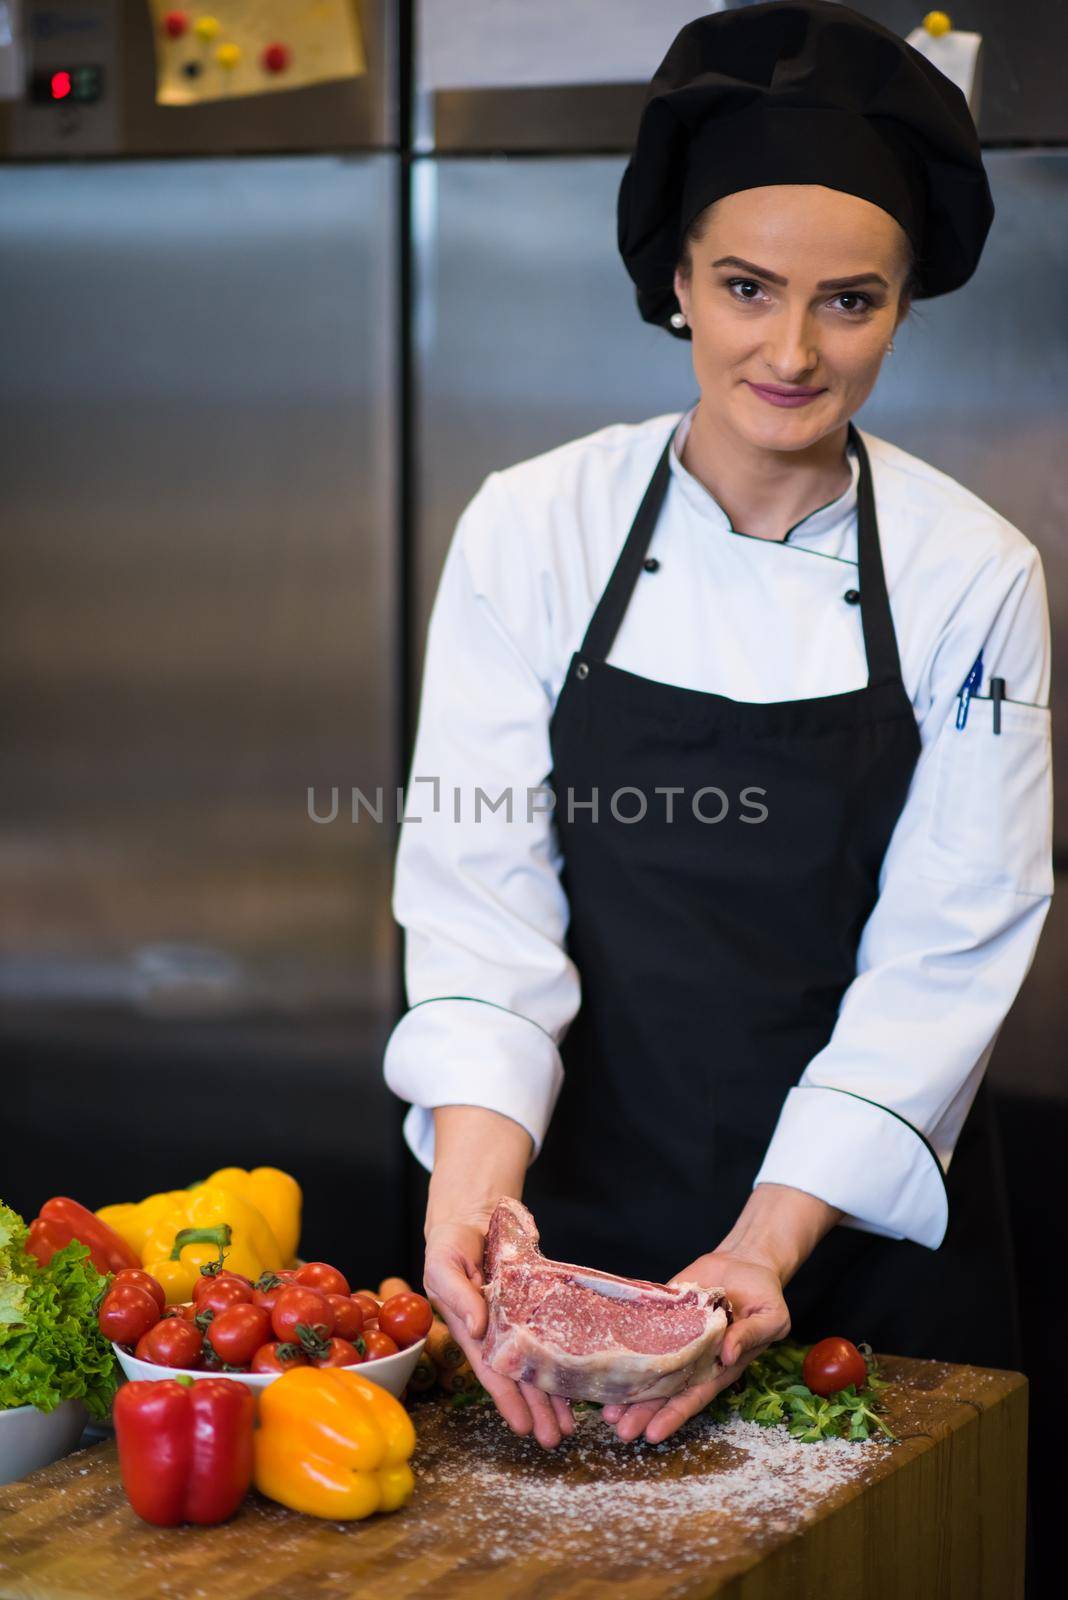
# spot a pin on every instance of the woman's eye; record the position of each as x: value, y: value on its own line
x: 861, y: 302
x: 740, y: 284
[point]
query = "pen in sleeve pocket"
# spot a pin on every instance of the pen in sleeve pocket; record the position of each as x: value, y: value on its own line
x: 968, y: 688
x: 997, y: 695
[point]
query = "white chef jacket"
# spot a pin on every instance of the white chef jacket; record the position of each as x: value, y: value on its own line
x: 967, y: 878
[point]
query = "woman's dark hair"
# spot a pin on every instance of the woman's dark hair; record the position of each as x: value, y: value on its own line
x: 696, y: 232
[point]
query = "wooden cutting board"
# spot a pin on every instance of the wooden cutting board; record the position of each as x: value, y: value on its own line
x: 737, y: 1511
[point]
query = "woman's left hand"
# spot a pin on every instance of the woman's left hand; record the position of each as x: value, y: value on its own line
x: 754, y: 1288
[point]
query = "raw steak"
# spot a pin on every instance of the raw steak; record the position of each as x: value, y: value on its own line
x: 589, y: 1335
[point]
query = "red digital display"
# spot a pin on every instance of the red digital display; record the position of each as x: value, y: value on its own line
x: 82, y: 84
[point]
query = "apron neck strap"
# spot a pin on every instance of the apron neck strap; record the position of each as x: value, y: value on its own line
x: 880, y: 643
x: 604, y: 624
x: 879, y: 640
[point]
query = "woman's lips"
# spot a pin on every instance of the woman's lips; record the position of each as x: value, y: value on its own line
x: 785, y: 397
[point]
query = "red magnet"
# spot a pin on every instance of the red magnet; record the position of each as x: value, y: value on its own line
x: 276, y: 58
x: 175, y: 24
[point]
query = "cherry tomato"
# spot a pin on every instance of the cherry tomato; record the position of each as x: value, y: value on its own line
x: 348, y: 1318
x: 222, y: 1296
x: 268, y: 1298
x: 237, y: 1333
x: 300, y: 1307
x: 278, y: 1357
x: 366, y: 1300
x: 376, y: 1345
x: 319, y: 1275
x: 126, y: 1313
x: 270, y: 1280
x: 834, y: 1364
x: 173, y: 1342
x: 206, y: 1282
x: 339, y: 1353
x: 406, y: 1318
x: 143, y: 1280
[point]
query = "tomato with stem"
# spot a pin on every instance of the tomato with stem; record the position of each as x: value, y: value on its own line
x: 301, y: 1308
x: 210, y: 1280
x: 834, y: 1364
x: 336, y: 1353
x: 238, y: 1332
x: 278, y: 1357
x: 376, y: 1345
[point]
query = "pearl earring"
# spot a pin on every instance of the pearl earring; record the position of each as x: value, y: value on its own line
x: 678, y: 319
x: 890, y: 346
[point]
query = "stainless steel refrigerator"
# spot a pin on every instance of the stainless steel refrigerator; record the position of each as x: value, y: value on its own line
x: 200, y: 644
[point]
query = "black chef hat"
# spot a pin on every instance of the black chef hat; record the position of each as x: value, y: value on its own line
x: 801, y: 91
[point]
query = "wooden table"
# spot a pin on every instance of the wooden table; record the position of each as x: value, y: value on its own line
x: 940, y: 1513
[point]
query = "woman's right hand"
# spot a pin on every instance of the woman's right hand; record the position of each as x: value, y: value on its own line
x: 452, y: 1277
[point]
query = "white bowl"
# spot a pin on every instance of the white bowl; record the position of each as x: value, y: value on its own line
x: 389, y: 1372
x: 30, y: 1438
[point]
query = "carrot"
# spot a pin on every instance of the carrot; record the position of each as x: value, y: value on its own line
x: 424, y: 1374
x: 461, y: 1380
x: 442, y: 1348
x: 392, y: 1286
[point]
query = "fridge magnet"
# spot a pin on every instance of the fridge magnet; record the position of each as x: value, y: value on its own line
x: 244, y: 47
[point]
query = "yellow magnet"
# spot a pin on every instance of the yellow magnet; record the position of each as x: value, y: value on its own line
x: 937, y: 23
x: 207, y: 28
x: 228, y: 55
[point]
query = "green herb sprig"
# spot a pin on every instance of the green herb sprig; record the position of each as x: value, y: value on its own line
x: 771, y: 1391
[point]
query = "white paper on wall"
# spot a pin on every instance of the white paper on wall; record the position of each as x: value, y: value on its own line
x: 956, y: 54
x: 489, y: 44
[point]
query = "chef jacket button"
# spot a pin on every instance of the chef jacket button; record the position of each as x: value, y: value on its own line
x: 651, y: 564
x: 582, y: 670
x: 853, y: 596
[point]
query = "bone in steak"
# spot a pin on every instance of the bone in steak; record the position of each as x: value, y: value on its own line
x: 591, y: 1335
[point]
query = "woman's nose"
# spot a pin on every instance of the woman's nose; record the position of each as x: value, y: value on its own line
x: 791, y: 351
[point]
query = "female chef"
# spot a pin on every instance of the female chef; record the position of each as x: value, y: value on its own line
x: 730, y: 810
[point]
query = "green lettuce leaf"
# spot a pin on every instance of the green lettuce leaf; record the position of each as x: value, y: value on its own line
x: 50, y: 1347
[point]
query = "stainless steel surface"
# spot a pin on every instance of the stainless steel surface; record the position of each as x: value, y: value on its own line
x: 350, y: 114
x: 528, y: 336
x: 198, y: 458
x: 1022, y: 97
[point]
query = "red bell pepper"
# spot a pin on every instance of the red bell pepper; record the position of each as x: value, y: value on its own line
x: 185, y: 1448
x: 60, y: 1221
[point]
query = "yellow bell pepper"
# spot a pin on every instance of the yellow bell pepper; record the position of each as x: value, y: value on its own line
x: 250, y: 1247
x: 275, y: 1195
x: 176, y: 1279
x: 132, y: 1222
x: 333, y: 1444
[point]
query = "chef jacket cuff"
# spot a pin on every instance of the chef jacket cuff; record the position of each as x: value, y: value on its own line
x: 459, y: 1051
x: 862, y: 1158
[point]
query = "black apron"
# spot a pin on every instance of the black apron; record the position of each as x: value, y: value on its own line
x: 713, y: 956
